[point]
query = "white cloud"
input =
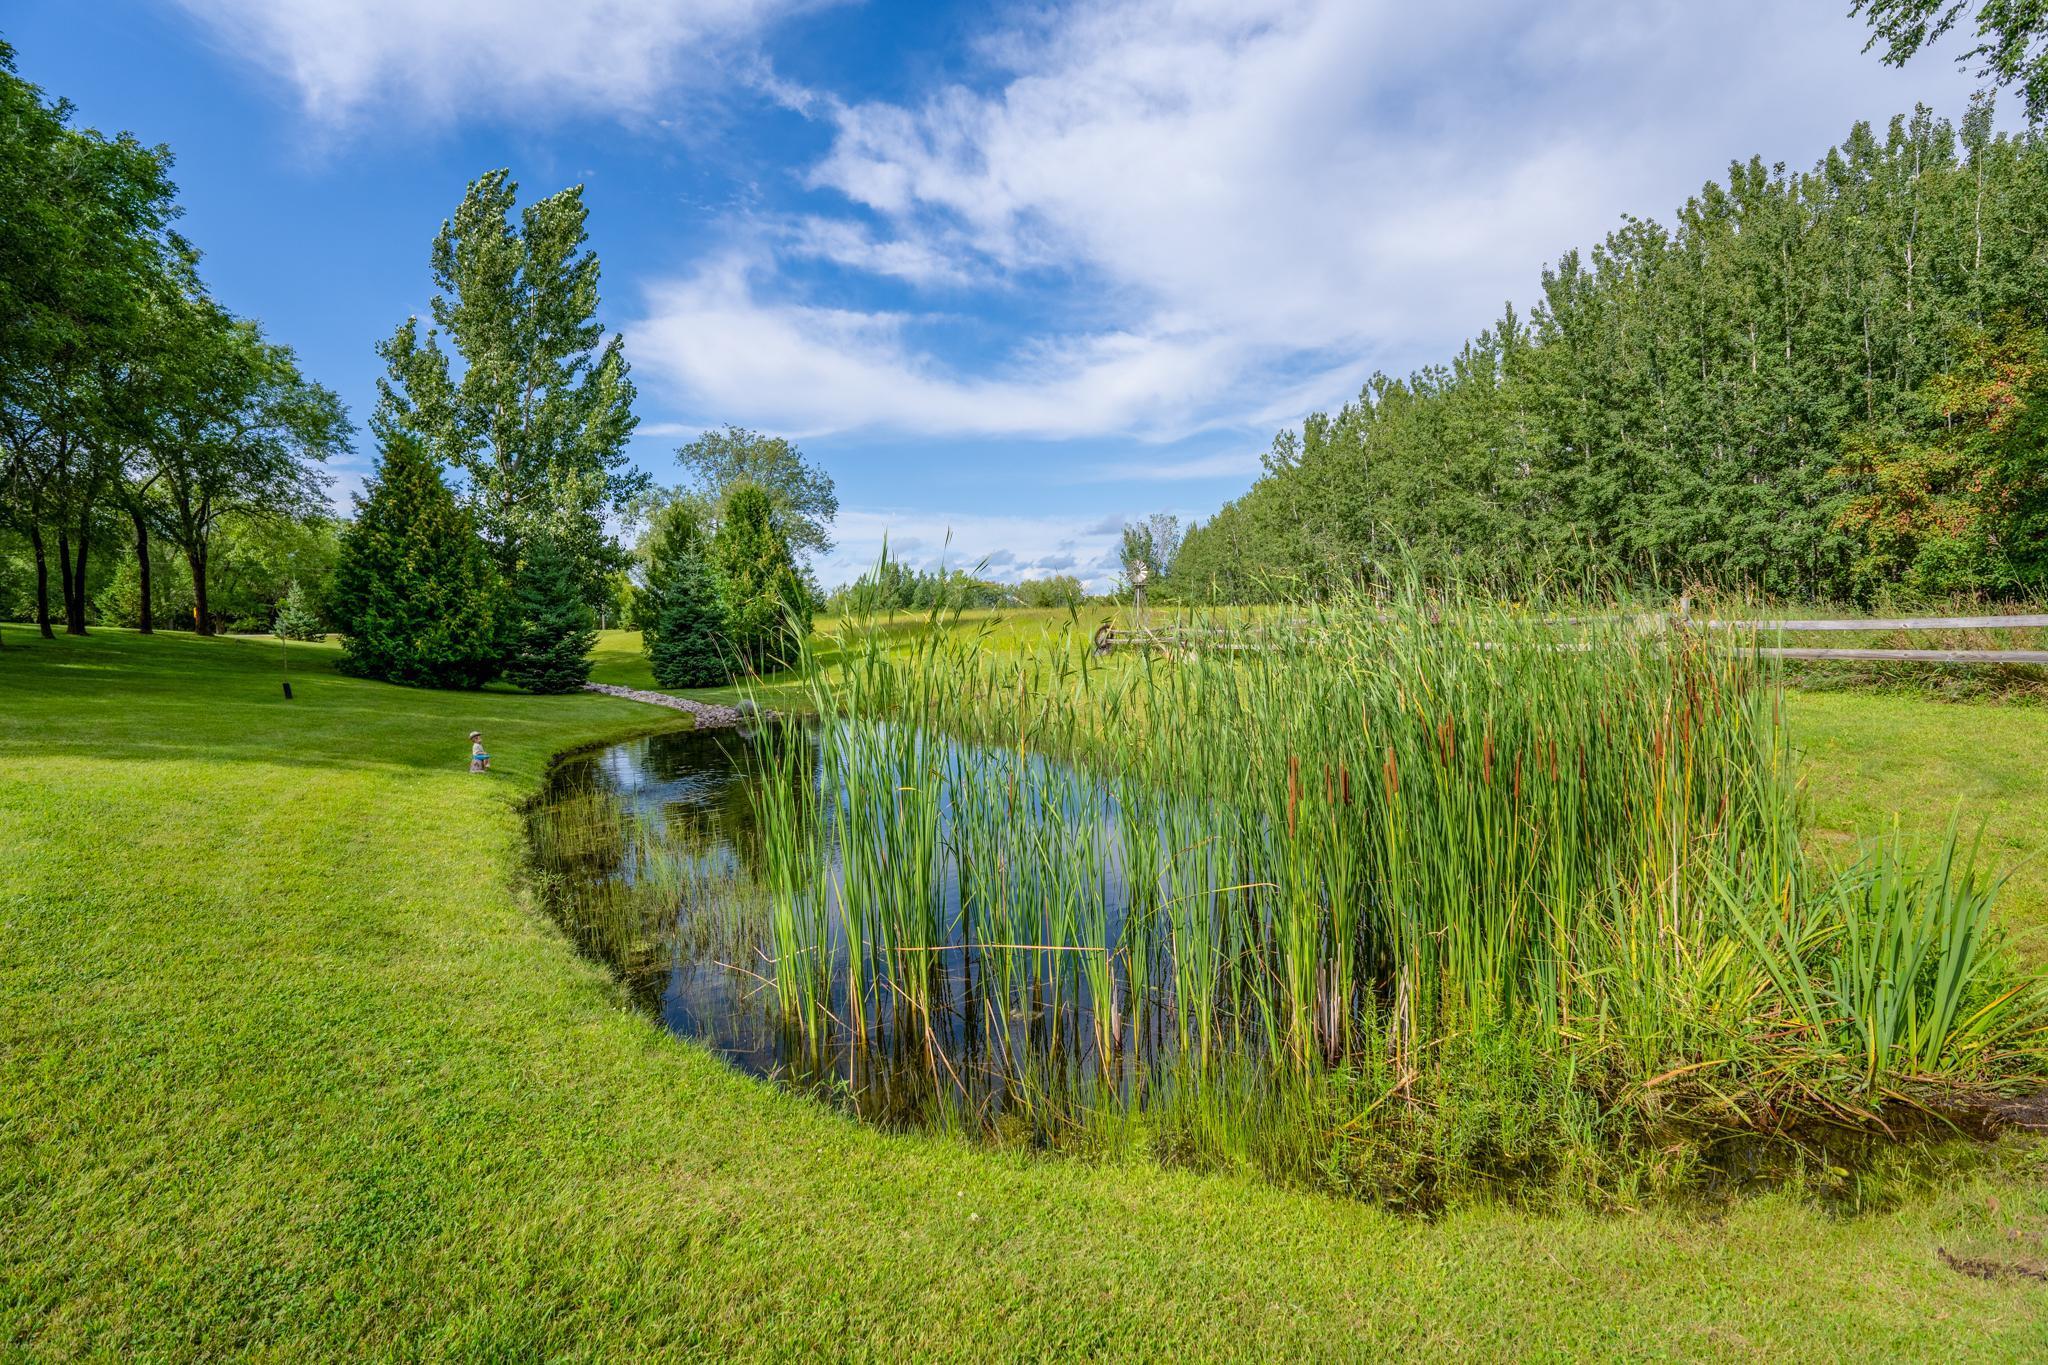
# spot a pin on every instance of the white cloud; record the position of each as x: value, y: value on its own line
x: 856, y: 247
x: 1232, y: 209
x: 448, y: 58
x: 803, y: 368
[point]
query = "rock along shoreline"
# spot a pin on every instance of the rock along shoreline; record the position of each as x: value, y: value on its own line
x: 708, y: 715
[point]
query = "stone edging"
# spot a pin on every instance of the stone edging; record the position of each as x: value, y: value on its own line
x: 707, y: 715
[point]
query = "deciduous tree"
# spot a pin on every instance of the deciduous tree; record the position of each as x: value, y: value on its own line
x: 529, y: 400
x: 800, y: 495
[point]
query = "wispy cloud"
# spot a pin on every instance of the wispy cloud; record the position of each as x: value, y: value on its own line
x: 1225, y: 465
x: 455, y: 58
x: 724, y: 345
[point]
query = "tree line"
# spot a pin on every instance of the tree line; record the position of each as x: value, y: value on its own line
x: 133, y: 407
x: 1827, y: 384
x: 892, y: 586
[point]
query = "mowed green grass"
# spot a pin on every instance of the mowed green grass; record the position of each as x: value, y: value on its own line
x: 289, y: 1067
x: 1869, y: 759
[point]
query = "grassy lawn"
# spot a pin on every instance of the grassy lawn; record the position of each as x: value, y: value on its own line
x: 1871, y: 758
x: 289, y: 1067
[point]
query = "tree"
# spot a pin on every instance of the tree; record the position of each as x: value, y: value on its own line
x: 1154, y: 543
x: 537, y: 415
x: 682, y: 609
x: 296, y: 617
x: 768, y: 607
x: 2012, y: 38
x: 551, y: 622
x: 1683, y: 405
x: 416, y: 594
x: 800, y: 494
x: 85, y: 238
x: 240, y: 437
x: 1058, y: 590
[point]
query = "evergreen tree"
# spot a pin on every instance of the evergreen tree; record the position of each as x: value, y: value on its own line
x: 551, y: 630
x: 296, y: 617
x: 768, y: 606
x: 415, y: 593
x: 682, y: 610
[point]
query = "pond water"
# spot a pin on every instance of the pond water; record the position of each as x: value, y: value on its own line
x: 651, y: 858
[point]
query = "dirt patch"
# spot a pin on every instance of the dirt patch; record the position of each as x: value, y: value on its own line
x: 2028, y: 1111
x: 1985, y: 1268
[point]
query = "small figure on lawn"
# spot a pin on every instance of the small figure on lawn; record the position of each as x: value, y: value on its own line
x: 479, y: 761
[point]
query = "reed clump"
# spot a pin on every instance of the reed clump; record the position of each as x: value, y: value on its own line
x: 1387, y: 894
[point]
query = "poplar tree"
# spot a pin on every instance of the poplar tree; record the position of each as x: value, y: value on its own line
x: 1716, y: 400
x: 515, y: 384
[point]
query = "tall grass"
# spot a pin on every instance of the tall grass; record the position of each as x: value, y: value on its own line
x: 1359, y: 857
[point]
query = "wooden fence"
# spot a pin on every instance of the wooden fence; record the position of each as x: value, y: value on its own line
x: 1176, y: 639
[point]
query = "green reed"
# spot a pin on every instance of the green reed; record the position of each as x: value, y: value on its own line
x: 1361, y: 839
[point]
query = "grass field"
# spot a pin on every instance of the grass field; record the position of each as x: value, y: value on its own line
x: 288, y: 1067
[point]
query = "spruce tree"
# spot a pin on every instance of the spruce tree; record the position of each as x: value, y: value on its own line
x: 296, y: 618
x: 415, y: 593
x: 550, y: 629
x: 682, y: 610
x: 768, y: 607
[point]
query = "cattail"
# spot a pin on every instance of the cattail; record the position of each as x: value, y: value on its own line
x: 1486, y: 758
x: 1293, y: 789
x: 1344, y: 782
x: 1392, y: 774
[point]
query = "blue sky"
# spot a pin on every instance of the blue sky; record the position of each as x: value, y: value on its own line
x: 1008, y: 272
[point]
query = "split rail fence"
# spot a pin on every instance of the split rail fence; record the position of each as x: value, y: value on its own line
x: 1177, y: 639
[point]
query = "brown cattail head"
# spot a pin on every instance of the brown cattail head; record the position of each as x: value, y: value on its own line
x: 1392, y: 775
x: 1293, y: 789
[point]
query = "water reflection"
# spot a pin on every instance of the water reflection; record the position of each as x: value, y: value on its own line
x: 652, y: 860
